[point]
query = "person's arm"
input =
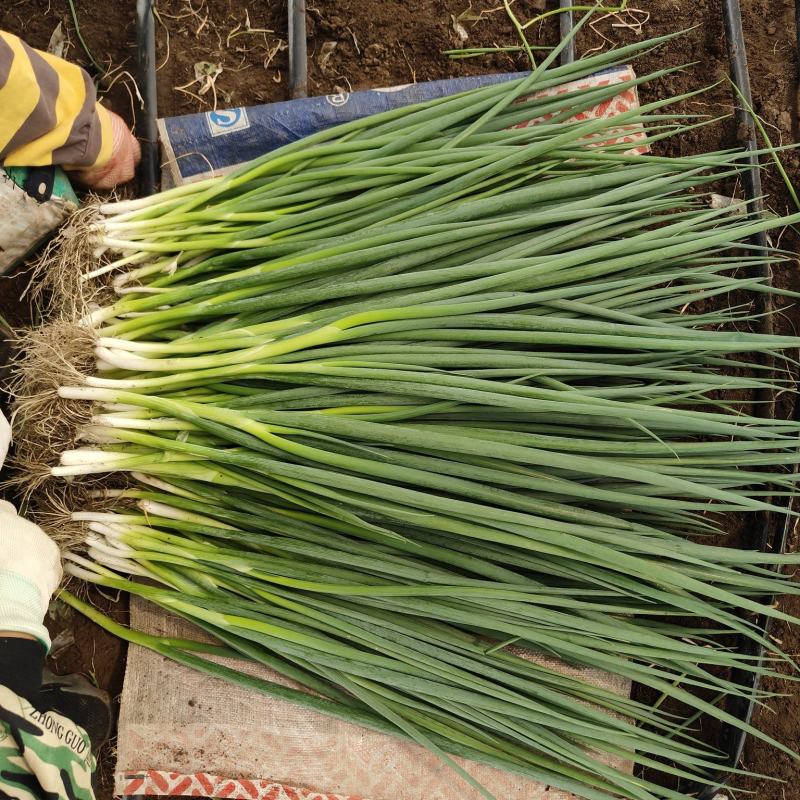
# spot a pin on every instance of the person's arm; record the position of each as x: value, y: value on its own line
x: 22, y: 654
x: 50, y: 115
x: 42, y: 752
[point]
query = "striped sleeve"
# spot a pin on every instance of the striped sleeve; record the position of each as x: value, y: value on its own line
x: 50, y: 114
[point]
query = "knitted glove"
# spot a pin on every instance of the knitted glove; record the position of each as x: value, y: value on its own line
x: 121, y: 167
x: 30, y: 571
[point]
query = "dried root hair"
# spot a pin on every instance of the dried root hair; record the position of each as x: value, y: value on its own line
x: 57, y: 286
x: 51, y: 505
x: 44, y: 424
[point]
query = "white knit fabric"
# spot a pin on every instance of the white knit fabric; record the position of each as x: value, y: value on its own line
x: 30, y: 571
x: 5, y: 438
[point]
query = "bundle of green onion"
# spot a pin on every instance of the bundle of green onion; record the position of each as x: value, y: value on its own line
x: 418, y: 389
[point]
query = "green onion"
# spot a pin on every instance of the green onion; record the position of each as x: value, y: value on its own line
x: 407, y: 407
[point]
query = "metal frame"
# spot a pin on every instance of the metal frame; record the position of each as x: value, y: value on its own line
x: 773, y: 535
x: 298, y: 63
x: 146, y: 116
x: 565, y: 22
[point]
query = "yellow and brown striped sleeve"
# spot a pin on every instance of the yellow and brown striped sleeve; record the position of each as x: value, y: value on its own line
x: 50, y: 113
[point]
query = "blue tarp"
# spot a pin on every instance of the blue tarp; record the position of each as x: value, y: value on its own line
x: 198, y: 144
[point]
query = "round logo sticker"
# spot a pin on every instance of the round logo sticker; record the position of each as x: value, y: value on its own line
x: 338, y: 99
x: 227, y: 118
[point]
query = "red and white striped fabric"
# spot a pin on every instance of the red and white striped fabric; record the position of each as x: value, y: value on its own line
x: 156, y: 783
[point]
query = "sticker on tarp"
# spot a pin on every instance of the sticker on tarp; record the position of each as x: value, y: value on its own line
x: 227, y: 121
x: 338, y: 99
x: 197, y: 146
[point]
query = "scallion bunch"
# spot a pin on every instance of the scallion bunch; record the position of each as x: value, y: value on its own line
x: 406, y: 398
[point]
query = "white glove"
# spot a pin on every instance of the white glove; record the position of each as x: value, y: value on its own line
x: 30, y: 571
x: 5, y: 438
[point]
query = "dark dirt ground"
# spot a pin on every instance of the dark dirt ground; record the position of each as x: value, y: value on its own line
x: 356, y: 44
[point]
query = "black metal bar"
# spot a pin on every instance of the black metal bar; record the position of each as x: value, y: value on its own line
x: 797, y: 51
x: 734, y: 740
x: 298, y: 64
x: 146, y: 128
x: 737, y: 54
x: 565, y: 23
x: 773, y: 537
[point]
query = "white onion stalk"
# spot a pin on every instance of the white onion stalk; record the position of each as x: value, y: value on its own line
x: 117, y: 563
x: 169, y: 512
x: 107, y: 494
x: 132, y: 258
x: 80, y: 567
x: 111, y: 531
x: 103, y: 366
x: 87, y: 455
x: 127, y: 410
x: 144, y: 424
x: 95, y: 434
x: 165, y: 486
x: 103, y: 517
x: 116, y: 548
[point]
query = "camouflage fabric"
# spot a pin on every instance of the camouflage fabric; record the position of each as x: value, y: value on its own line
x: 43, y: 755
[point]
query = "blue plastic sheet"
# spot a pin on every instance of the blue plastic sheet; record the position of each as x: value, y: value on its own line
x: 197, y: 145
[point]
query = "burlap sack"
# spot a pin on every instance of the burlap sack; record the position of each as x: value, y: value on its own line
x: 179, y: 722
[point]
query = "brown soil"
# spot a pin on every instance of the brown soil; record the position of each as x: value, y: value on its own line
x: 247, y: 41
x: 357, y: 44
